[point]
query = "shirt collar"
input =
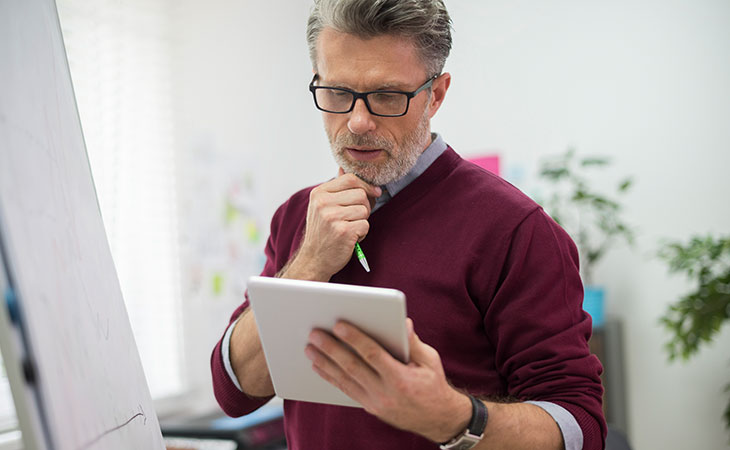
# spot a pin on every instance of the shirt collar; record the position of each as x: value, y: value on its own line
x: 432, y: 152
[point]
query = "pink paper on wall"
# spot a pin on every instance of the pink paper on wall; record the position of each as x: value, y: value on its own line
x: 489, y: 162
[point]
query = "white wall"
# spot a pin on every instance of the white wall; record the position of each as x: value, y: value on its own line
x: 647, y: 83
x: 244, y: 108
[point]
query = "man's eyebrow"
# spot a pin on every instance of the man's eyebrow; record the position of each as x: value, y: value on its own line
x: 394, y: 86
x: 387, y: 86
x: 322, y: 82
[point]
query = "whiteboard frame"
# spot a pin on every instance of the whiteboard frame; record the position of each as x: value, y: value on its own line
x: 15, y: 349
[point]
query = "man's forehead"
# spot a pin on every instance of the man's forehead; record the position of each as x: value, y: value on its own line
x: 377, y: 62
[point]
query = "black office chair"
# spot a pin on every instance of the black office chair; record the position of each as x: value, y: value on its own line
x: 616, y: 440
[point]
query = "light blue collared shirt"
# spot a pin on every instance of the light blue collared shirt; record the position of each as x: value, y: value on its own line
x: 431, y: 154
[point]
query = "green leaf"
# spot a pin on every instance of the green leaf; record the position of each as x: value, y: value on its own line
x: 554, y: 173
x: 625, y: 185
x: 595, y: 161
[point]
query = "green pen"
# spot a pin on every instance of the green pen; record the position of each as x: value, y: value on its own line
x: 361, y: 257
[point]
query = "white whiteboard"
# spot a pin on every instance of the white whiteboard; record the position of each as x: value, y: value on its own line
x: 91, y: 389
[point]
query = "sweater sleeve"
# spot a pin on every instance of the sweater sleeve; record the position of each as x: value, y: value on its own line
x: 234, y: 402
x: 537, y: 324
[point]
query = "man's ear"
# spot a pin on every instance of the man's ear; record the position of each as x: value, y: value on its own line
x: 438, y: 93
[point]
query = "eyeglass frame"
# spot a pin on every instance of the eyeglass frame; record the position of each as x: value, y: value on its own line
x: 363, y: 95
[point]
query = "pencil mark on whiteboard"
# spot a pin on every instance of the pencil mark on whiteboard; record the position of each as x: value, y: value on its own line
x: 107, y: 432
x: 104, y: 330
x: 25, y: 134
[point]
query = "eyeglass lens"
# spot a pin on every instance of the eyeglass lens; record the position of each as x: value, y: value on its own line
x: 386, y: 103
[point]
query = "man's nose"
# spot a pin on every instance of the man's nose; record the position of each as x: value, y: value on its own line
x: 360, y: 121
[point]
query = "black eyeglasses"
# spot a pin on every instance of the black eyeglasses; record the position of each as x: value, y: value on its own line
x: 380, y: 103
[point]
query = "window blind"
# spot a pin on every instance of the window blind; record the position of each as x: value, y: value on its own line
x: 119, y: 57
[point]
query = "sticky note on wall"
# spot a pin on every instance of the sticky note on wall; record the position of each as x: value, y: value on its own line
x: 488, y: 162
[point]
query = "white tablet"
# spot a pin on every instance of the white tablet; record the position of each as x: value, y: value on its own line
x: 287, y: 310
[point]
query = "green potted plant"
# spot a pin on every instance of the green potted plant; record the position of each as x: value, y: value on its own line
x: 592, y: 219
x: 698, y: 316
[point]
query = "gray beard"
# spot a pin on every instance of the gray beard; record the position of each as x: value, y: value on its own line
x: 394, y: 167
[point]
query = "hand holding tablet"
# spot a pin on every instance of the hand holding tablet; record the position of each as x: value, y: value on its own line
x: 286, y: 312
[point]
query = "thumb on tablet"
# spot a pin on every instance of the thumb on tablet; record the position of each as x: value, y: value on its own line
x: 420, y: 352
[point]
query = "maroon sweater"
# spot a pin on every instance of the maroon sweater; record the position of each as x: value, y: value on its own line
x: 491, y: 282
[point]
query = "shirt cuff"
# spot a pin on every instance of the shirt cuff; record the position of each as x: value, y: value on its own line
x: 572, y: 434
x: 226, y: 353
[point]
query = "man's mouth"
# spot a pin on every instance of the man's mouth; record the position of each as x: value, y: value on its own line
x: 364, y: 154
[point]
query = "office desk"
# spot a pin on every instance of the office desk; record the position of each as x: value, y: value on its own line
x: 263, y: 429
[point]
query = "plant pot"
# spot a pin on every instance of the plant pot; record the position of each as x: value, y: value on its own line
x: 593, y: 304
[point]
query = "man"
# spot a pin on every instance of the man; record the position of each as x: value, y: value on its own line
x: 497, y: 334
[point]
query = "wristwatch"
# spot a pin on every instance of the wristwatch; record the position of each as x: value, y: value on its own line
x: 474, y: 432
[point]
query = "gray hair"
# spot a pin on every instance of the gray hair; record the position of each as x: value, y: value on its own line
x: 426, y: 22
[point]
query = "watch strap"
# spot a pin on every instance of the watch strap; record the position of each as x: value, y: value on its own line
x: 479, y: 417
x: 474, y: 432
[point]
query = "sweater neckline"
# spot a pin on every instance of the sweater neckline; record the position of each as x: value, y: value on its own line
x: 419, y: 187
